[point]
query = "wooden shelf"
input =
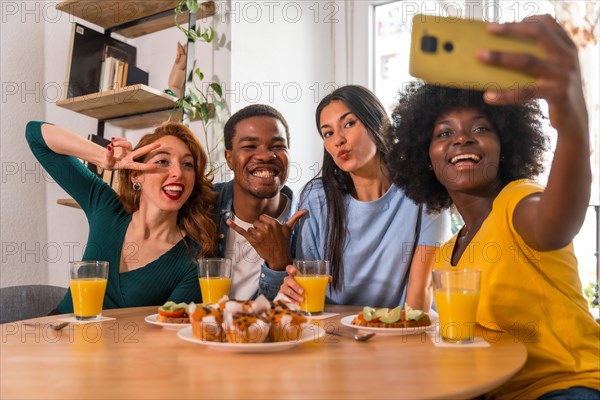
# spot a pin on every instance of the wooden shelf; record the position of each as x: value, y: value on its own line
x: 122, y: 102
x: 68, y: 203
x: 114, y: 13
x: 147, y: 120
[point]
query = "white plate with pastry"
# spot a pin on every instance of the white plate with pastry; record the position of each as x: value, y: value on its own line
x: 151, y: 319
x: 347, y: 321
x: 311, y: 333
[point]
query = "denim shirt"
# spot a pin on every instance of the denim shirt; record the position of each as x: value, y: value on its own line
x: 270, y: 280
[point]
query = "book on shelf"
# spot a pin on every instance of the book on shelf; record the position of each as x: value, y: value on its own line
x: 107, y: 74
x: 118, y: 81
x: 113, y: 74
x: 116, y: 72
x: 89, y: 48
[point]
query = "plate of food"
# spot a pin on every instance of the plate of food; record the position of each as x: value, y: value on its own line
x: 170, y: 316
x: 310, y: 333
x: 257, y: 326
x: 389, y: 322
x: 153, y: 319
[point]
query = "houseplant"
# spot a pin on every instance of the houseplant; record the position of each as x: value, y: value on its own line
x: 201, y: 100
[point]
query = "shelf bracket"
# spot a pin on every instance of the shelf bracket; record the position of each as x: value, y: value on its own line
x: 189, y: 67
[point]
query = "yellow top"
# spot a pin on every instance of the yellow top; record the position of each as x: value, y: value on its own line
x: 534, y: 296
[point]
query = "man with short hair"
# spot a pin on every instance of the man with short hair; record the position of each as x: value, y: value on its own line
x: 256, y: 204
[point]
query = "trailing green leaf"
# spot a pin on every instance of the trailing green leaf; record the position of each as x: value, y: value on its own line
x: 192, y: 6
x: 217, y: 88
x: 204, y: 112
x: 200, y: 101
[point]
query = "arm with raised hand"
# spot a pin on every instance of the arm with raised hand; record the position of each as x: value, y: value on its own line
x: 419, y: 292
x: 118, y: 154
x: 272, y: 241
x: 551, y: 219
x: 58, y: 150
x: 177, y: 75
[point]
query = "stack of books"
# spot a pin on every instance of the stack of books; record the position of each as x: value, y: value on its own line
x: 113, y: 74
x: 98, y: 62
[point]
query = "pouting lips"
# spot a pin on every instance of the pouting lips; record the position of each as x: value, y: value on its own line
x: 465, y: 157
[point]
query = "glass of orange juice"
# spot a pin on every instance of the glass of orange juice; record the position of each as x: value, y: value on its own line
x: 88, y: 284
x: 214, y: 275
x: 313, y: 276
x: 456, y: 294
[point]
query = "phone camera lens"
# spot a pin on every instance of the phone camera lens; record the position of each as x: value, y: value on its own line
x: 448, y: 46
x: 429, y: 44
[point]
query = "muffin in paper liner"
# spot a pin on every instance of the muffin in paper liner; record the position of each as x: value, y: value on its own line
x: 287, y: 321
x: 239, y: 321
x: 286, y: 325
x: 245, y: 328
x: 206, y: 323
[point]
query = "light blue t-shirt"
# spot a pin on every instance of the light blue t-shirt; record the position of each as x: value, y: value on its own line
x: 379, y: 243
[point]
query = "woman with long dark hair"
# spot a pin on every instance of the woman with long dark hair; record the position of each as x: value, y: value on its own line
x: 380, y: 244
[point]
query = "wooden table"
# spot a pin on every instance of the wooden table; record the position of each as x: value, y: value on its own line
x: 129, y: 358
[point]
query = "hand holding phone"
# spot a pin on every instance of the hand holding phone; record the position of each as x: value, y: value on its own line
x: 443, y: 52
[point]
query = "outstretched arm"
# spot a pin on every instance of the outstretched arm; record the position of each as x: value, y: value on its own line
x: 419, y: 293
x: 551, y: 219
x: 118, y: 155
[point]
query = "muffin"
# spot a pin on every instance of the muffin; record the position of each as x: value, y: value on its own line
x: 287, y: 321
x: 242, y: 327
x: 246, y: 321
x: 286, y: 324
x: 206, y: 323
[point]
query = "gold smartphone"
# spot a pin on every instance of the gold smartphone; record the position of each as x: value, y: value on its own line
x: 443, y: 52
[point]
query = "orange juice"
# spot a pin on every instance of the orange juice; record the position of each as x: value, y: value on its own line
x: 88, y: 295
x: 213, y: 288
x: 457, y: 309
x: 315, y: 288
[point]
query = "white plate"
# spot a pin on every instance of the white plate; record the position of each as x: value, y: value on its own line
x: 151, y: 319
x: 312, y: 333
x: 347, y: 321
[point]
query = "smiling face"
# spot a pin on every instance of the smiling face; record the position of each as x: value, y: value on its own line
x: 465, y: 151
x: 259, y: 156
x: 346, y: 139
x: 170, y: 186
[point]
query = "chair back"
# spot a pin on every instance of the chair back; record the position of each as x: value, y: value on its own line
x: 28, y: 301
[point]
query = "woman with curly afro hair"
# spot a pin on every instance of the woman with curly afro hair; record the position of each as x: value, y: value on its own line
x: 479, y: 151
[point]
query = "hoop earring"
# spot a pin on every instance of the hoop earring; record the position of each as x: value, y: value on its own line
x: 136, y: 186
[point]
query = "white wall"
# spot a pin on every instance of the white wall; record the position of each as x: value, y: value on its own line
x: 67, y: 228
x: 23, y: 190
x: 281, y: 55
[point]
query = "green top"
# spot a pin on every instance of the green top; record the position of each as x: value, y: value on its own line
x: 173, y: 276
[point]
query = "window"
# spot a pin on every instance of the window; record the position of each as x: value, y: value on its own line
x: 391, y: 47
